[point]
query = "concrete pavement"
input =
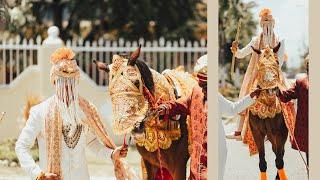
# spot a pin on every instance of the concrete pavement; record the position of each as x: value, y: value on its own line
x: 240, y: 166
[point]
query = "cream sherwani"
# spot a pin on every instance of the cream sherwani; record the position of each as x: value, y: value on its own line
x: 73, y: 161
x: 251, y: 71
x: 228, y: 108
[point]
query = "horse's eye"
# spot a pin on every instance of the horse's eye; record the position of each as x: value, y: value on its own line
x: 137, y: 83
x: 122, y: 73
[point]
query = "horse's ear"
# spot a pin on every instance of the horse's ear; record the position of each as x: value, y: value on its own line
x: 276, y: 49
x: 124, y: 55
x: 134, y: 56
x: 256, y: 50
x: 102, y: 66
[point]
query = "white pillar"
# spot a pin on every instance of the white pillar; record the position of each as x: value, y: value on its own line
x: 49, y: 45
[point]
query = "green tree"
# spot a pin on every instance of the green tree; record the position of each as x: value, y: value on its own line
x: 230, y: 12
x: 3, y: 14
x: 130, y: 19
x: 303, y: 55
x: 151, y: 19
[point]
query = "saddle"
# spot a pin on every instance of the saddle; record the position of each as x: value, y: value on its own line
x: 159, y: 132
x: 267, y: 105
x: 268, y: 79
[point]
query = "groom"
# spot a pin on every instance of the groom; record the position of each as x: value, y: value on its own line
x: 267, y: 37
x: 64, y: 125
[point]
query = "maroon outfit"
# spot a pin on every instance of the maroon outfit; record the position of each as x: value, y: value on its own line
x: 164, y: 176
x: 299, y: 91
x: 195, y: 106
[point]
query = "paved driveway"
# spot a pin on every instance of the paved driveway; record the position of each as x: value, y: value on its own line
x: 241, y: 166
x: 98, y: 169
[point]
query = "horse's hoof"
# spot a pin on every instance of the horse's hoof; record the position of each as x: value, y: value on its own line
x: 277, y: 177
x: 263, y: 176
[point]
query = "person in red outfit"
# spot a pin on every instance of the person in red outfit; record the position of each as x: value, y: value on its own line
x: 196, y: 106
x: 300, y: 91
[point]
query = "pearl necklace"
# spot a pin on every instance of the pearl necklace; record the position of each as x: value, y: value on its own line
x: 71, y: 141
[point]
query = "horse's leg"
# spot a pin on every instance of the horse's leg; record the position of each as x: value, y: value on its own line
x: 258, y: 129
x: 283, y: 136
x: 151, y: 170
x: 277, y: 133
x: 180, y: 171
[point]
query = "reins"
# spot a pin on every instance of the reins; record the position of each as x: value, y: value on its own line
x: 154, y: 104
x: 295, y: 142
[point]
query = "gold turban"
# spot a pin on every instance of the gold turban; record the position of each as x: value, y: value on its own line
x: 63, y: 64
x: 266, y: 16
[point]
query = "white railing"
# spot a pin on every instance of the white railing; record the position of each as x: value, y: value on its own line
x: 17, y: 55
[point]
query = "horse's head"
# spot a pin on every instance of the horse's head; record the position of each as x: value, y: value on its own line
x: 127, y: 76
x: 268, y: 74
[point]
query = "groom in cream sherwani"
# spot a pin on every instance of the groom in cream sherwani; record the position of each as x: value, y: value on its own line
x: 64, y: 126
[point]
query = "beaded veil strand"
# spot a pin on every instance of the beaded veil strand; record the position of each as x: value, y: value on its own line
x: 67, y: 97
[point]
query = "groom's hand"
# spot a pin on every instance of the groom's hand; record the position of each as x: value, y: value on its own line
x: 255, y: 93
x: 234, y: 47
x: 51, y: 176
x: 161, y: 110
x: 120, y: 152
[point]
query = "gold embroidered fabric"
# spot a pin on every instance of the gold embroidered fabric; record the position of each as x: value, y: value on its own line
x: 128, y: 103
x: 268, y: 78
x: 63, y: 64
x: 266, y: 106
x: 121, y: 168
x: 129, y: 106
x: 53, y: 130
x: 182, y: 81
x: 268, y: 75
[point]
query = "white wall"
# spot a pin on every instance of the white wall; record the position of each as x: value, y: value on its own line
x: 35, y: 80
x: 14, y: 97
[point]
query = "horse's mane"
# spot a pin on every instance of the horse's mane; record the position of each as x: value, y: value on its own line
x: 146, y: 75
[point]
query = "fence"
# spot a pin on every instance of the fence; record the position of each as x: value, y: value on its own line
x: 17, y: 55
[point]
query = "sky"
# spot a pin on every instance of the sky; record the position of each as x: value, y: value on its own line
x: 292, y: 24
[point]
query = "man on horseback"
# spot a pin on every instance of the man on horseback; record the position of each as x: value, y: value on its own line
x: 64, y: 125
x: 268, y: 117
x: 266, y: 38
